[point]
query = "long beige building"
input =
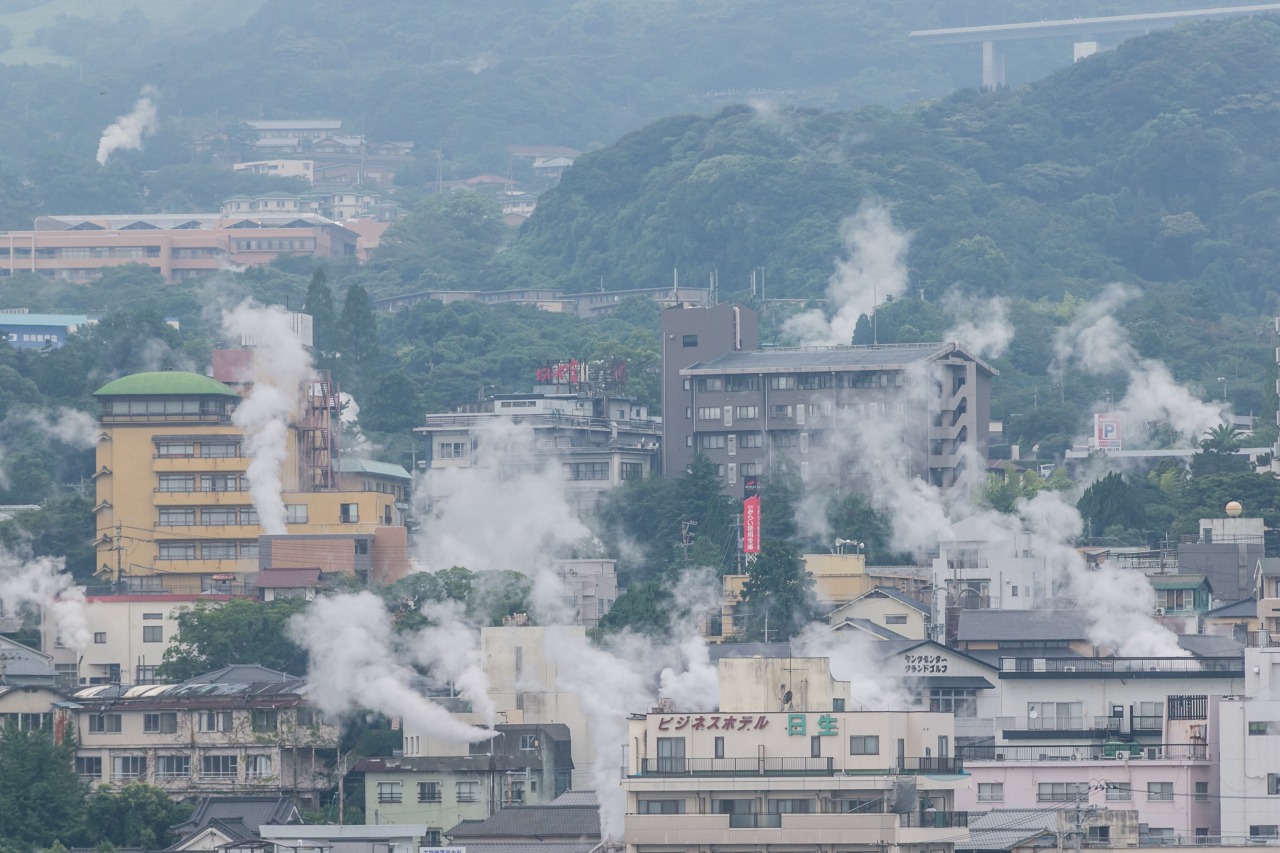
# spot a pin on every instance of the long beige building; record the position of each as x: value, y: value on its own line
x: 177, y: 246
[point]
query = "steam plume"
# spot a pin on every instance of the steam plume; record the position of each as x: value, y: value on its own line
x: 874, y: 269
x: 981, y: 325
x: 450, y: 648
x: 126, y: 132
x: 280, y: 365
x: 42, y: 583
x: 355, y: 664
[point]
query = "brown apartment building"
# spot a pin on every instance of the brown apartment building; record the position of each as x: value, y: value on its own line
x: 177, y: 246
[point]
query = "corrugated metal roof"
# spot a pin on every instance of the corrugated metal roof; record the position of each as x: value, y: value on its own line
x: 1022, y: 625
x: 349, y: 465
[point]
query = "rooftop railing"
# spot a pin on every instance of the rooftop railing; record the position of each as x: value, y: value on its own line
x: 1087, y: 752
x: 1120, y: 666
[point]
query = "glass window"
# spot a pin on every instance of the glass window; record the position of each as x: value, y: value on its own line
x: 219, y: 766
x: 177, y: 483
x: 215, y: 721
x: 782, y: 383
x: 467, y: 792
x: 1202, y: 788
x: 152, y: 634
x: 1119, y: 791
x: 895, y: 619
x: 991, y: 792
x: 129, y: 767
x: 746, y: 413
x: 169, y: 448
x: 1159, y: 791
x: 162, y: 721
x: 954, y: 700
x: 710, y: 413
x: 295, y: 513
x: 528, y: 742
x: 220, y: 449
x: 349, y: 513
x: 1264, y: 727
x: 1062, y: 792
x: 309, y: 717
x: 662, y: 807
x: 1266, y: 830
x: 218, y: 550
x: 389, y: 792
x: 177, y: 516
x: 173, y: 766
x: 864, y: 744
x: 452, y: 450
x: 104, y: 723
x: 780, y: 411
x: 710, y: 383
x: 265, y: 720
x: 429, y: 792
x: 689, y: 340
x: 177, y: 550
x: 100, y: 638
x: 711, y: 442
x: 89, y: 767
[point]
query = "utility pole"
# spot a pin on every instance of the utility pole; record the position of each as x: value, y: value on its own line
x: 686, y: 529
x: 119, y: 558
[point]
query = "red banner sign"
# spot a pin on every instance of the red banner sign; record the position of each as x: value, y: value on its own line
x: 751, y: 525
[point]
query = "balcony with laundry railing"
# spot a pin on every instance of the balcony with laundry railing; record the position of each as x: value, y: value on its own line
x: 1080, y: 726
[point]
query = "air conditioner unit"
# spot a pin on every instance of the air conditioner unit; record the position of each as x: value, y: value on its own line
x: 1068, y: 668
x: 1122, y: 756
x: 1153, y: 752
x: 1159, y: 611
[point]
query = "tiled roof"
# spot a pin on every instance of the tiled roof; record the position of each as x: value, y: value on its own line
x: 229, y: 813
x: 577, y: 798
x: 1022, y: 625
x: 1211, y: 645
x: 533, y: 822
x: 1244, y: 608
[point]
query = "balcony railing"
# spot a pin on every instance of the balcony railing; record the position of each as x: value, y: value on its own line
x: 1087, y: 752
x: 755, y: 821
x: 944, y: 765
x: 737, y: 766
x: 1082, y: 725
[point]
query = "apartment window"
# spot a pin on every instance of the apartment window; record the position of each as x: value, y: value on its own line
x: 743, y: 383
x: 864, y: 744
x: 145, y: 673
x: 1119, y: 791
x: 175, y: 449
x: 785, y: 438
x: 309, y: 717
x: 265, y: 720
x: 815, y: 746
x: 1046, y: 716
x: 249, y: 550
x: 220, y: 449
x: 177, y: 516
x: 1264, y: 727
x: 1266, y: 830
x: 361, y: 547
x: 152, y: 634
x: 89, y: 767
x: 814, y: 381
x: 895, y: 619
x: 671, y: 755
x: 719, y: 747
x: 295, y: 513
x: 1062, y: 792
x: 746, y: 413
x: 215, y: 721
x: 954, y: 700
x: 662, y: 806
x: 163, y: 721
x: 389, y: 792
x: 632, y: 470
x: 222, y: 483
x: 528, y: 742
x: 452, y: 449
x: 780, y: 411
x: 129, y: 767
x: 710, y: 383
x: 218, y: 516
x: 791, y: 806
x: 710, y: 413
x: 991, y: 792
x: 750, y: 440
x: 782, y: 383
x: 217, y: 550
x: 173, y: 766
x: 177, y: 550
x: 177, y: 483
x: 429, y: 792
x: 587, y: 471
x: 467, y: 792
x: 1273, y: 786
x: 711, y: 442
x: 349, y: 513
x: 689, y: 341
x: 1099, y: 834
x: 1202, y: 788
x: 219, y: 766
x: 104, y: 724
x: 100, y: 638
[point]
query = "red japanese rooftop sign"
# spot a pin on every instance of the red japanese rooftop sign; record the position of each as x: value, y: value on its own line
x: 751, y: 525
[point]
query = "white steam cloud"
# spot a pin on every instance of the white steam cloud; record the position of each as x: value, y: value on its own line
x: 356, y: 664
x: 126, y: 133
x: 1097, y: 342
x: 280, y: 365
x: 41, y: 583
x: 981, y: 326
x: 874, y: 269
x: 450, y: 649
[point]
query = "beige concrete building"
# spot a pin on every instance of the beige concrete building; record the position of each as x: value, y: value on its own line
x: 242, y: 729
x: 177, y: 246
x: 780, y: 765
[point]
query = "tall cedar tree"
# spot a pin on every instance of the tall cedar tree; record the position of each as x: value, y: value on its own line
x: 359, y: 332
x: 41, y: 799
x: 324, y: 316
x: 778, y: 594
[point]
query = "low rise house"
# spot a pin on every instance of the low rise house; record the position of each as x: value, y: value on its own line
x: 227, y: 823
x: 551, y: 828
x: 24, y: 330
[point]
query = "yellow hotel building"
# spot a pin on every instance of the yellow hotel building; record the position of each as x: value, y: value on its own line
x: 173, y: 511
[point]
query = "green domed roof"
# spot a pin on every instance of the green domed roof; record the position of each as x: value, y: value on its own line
x: 165, y: 383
